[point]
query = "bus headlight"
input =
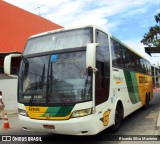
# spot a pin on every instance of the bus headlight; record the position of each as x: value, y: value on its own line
x: 22, y: 112
x: 81, y: 113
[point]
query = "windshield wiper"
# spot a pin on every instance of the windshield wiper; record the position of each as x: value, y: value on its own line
x: 25, y: 60
x: 31, y: 100
x: 41, y: 79
x: 53, y: 83
x: 89, y: 74
x: 32, y: 97
x: 37, y: 85
x: 26, y: 66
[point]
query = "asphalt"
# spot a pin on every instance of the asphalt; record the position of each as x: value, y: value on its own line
x: 10, y: 112
x: 10, y: 115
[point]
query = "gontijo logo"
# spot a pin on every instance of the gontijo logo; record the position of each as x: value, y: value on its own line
x: 34, y: 109
x: 118, y: 79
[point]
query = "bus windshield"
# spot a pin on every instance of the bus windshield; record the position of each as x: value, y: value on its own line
x: 59, y: 40
x: 55, y: 79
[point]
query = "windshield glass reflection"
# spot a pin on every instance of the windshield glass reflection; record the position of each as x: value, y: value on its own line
x: 55, y: 79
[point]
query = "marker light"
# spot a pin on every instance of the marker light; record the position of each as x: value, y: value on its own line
x: 81, y: 113
x: 22, y: 112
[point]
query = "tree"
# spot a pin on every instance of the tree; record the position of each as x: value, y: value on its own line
x: 152, y: 38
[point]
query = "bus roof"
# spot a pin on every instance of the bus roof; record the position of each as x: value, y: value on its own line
x: 59, y: 30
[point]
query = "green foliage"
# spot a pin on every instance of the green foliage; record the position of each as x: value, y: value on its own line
x: 152, y: 38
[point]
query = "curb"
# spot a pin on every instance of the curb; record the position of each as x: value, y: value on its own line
x: 158, y: 124
x: 11, y: 112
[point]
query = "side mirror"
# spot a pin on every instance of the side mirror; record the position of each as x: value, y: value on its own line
x: 11, y: 62
x: 91, y: 56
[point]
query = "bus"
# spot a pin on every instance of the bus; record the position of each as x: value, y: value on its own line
x: 80, y: 81
x: 8, y: 83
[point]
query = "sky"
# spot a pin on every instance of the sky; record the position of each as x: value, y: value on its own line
x: 128, y: 20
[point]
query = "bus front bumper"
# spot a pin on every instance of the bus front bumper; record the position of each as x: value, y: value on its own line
x: 74, y: 126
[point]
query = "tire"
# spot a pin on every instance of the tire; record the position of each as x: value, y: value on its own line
x: 146, y: 103
x: 118, y: 120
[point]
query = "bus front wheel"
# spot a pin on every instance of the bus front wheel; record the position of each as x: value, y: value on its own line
x: 118, y: 119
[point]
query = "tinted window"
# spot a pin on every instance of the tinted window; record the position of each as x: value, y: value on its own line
x: 103, y: 51
x: 56, y: 79
x: 1, y: 65
x: 15, y: 62
x: 138, y: 64
x: 122, y: 57
x: 131, y: 60
x: 103, y: 66
x: 59, y: 40
x: 117, y: 59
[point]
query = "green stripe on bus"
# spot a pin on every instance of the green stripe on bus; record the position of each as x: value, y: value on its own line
x: 132, y: 86
x: 58, y: 111
x: 64, y: 111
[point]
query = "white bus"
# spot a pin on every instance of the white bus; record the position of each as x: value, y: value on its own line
x: 8, y: 83
x: 80, y: 81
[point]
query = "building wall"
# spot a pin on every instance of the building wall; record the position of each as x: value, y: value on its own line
x: 156, y: 76
x: 8, y: 86
x: 16, y: 25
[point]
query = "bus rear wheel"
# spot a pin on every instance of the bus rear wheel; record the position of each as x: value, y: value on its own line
x: 118, y: 119
x: 146, y: 105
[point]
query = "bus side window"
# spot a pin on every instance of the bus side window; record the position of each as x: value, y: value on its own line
x: 117, y: 57
x: 1, y: 65
x: 15, y: 63
x: 138, y: 64
x: 130, y: 59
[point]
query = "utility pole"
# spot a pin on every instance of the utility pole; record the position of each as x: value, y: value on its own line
x: 154, y: 76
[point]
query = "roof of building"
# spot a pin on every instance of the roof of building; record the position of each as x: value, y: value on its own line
x: 17, y: 25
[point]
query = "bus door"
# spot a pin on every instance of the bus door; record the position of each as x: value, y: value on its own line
x: 102, y: 76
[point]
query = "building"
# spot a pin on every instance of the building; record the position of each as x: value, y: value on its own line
x: 156, y: 76
x: 16, y: 26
